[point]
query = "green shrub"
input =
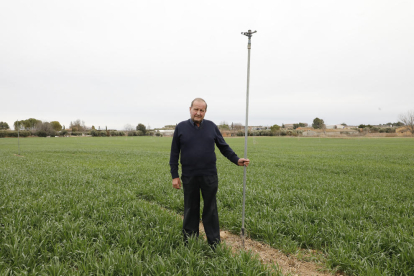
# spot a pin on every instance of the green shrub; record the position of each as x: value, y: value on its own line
x: 41, y: 133
x: 387, y: 130
x: 44, y: 133
x: 375, y: 129
x: 117, y: 133
x: 13, y: 133
x: 10, y: 133
x: 64, y: 132
x: 135, y: 133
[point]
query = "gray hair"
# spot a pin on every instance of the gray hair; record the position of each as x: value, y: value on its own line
x: 200, y: 100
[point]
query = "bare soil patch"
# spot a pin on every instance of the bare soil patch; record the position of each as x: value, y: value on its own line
x: 294, y: 265
x: 290, y: 265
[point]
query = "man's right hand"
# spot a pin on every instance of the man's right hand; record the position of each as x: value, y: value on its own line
x: 176, y: 182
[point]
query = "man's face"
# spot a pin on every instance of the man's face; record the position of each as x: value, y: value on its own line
x: 198, y: 111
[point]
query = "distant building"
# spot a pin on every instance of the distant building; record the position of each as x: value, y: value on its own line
x: 335, y: 127
x: 167, y: 132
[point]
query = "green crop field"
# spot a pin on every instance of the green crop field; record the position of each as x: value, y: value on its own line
x: 105, y: 206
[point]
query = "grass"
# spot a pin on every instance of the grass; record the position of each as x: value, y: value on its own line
x: 70, y: 207
x: 97, y: 205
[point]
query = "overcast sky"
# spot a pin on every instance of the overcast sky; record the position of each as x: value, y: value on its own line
x: 112, y: 63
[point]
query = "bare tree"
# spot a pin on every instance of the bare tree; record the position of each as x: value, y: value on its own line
x: 408, y: 120
x: 44, y: 129
x: 129, y: 127
x: 78, y: 125
x: 238, y: 126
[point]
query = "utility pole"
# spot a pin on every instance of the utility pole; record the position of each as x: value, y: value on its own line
x: 249, y: 34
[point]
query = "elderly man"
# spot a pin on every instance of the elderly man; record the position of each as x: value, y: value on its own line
x: 195, y: 139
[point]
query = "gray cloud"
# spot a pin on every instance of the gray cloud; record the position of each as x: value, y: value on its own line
x: 115, y: 63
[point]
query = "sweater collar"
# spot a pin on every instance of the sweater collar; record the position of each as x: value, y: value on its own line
x: 192, y: 123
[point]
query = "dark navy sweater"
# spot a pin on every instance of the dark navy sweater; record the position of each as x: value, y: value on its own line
x: 196, y: 145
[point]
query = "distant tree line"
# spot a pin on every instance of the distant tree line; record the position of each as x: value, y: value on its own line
x: 398, y: 124
x: 129, y: 130
x: 269, y: 132
x: 35, y: 127
x: 105, y: 133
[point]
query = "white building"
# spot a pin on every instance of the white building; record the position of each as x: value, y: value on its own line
x: 167, y: 132
x: 335, y: 127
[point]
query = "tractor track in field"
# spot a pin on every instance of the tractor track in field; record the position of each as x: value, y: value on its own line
x: 289, y: 265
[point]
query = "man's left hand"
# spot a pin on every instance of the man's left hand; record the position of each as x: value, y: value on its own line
x: 243, y: 162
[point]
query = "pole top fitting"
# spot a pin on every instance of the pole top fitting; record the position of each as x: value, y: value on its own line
x: 249, y: 33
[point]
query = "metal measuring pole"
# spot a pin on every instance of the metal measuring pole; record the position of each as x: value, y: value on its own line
x: 249, y: 34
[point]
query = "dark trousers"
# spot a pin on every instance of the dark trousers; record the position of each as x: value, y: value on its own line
x: 208, y: 185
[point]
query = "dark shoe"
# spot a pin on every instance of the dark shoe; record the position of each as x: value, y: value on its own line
x: 214, y: 245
